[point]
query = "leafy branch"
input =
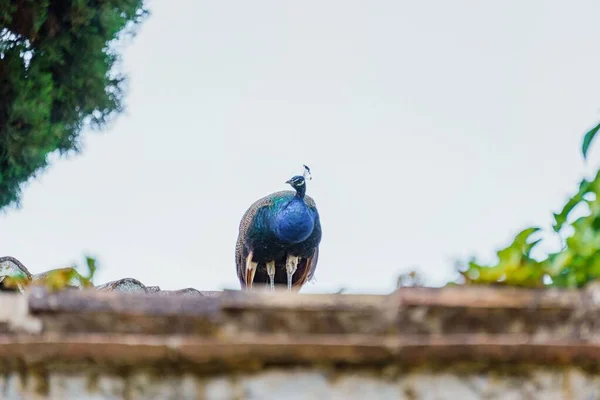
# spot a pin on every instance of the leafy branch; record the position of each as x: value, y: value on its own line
x: 575, y: 265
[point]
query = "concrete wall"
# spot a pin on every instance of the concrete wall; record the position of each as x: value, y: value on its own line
x: 297, y: 384
x: 420, y: 343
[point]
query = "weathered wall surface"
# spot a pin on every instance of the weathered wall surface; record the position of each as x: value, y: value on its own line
x: 418, y: 343
x: 297, y: 384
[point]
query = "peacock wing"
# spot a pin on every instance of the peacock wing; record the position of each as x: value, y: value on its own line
x: 241, y: 252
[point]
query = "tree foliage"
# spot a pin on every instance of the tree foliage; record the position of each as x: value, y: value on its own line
x: 57, y: 76
x: 575, y: 265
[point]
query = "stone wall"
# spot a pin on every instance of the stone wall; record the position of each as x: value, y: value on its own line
x: 311, y: 383
x: 418, y: 343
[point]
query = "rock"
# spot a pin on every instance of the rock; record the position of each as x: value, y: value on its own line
x: 129, y: 285
x: 10, y: 267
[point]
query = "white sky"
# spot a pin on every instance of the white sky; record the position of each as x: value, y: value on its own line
x: 434, y: 130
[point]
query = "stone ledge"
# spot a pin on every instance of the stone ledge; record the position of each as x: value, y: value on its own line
x: 412, y: 326
x: 360, y: 350
x: 416, y: 343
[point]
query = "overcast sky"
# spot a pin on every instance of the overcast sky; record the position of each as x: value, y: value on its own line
x: 434, y: 130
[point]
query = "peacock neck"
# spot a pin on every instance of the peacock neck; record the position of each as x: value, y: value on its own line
x: 301, y: 191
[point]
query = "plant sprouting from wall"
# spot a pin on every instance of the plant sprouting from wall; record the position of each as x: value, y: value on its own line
x: 56, y: 279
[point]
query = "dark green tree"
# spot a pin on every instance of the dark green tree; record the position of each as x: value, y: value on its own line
x: 57, y: 76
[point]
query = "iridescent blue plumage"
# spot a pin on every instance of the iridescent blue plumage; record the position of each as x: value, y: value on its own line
x: 279, y: 238
x: 293, y: 221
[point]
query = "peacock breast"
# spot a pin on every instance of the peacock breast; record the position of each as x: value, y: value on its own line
x: 293, y: 221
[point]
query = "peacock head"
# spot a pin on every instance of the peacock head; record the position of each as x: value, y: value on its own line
x: 297, y: 182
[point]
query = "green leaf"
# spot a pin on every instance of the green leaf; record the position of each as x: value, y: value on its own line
x: 91, y: 264
x: 561, y: 218
x: 522, y: 237
x: 530, y: 246
x: 587, y: 139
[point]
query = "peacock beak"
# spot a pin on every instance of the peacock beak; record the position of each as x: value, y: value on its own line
x: 289, y: 181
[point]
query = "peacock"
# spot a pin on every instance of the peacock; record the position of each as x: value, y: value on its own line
x: 278, y: 239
